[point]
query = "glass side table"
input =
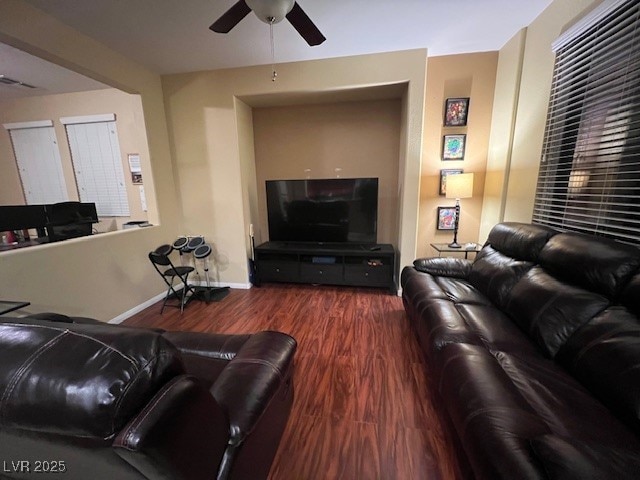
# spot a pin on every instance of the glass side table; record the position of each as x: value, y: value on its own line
x: 466, y: 248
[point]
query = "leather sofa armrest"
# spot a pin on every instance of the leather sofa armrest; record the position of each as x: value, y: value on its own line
x: 206, y: 355
x: 181, y: 433
x: 444, y: 266
x: 248, y: 384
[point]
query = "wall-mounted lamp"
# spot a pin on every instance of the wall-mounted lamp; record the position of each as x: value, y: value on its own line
x: 459, y: 186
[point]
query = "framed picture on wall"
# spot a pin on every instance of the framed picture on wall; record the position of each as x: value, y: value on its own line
x: 446, y: 218
x: 455, y: 112
x: 453, y: 147
x: 443, y: 178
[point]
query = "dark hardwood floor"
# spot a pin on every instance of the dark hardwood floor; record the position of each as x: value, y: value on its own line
x: 362, y: 407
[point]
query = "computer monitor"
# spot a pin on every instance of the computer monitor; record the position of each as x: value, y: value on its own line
x: 22, y: 217
x: 70, y: 220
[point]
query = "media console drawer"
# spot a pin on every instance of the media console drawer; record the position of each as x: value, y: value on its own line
x: 320, y: 273
x: 270, y: 270
x: 374, y: 276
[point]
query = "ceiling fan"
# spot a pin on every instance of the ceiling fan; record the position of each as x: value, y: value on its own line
x: 270, y: 12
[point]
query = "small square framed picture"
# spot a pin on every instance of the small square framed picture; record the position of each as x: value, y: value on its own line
x: 446, y: 218
x: 443, y: 178
x: 453, y: 147
x: 455, y: 112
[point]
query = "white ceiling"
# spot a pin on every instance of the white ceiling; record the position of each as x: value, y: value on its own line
x: 171, y: 36
x: 47, y: 77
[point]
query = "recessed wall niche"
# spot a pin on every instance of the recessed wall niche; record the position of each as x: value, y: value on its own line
x: 345, y: 139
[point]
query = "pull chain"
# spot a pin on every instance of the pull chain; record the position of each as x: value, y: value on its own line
x: 274, y: 74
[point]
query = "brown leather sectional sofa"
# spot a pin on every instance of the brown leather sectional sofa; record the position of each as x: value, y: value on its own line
x: 534, y: 348
x: 95, y: 401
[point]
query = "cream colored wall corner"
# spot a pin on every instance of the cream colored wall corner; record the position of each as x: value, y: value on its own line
x: 533, y: 99
x: 203, y: 118
x: 246, y: 148
x: 507, y: 90
x: 467, y: 75
x: 102, y: 276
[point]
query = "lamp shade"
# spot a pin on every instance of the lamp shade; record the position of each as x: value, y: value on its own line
x: 460, y: 186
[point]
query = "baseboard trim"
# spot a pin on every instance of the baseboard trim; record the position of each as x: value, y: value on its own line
x: 238, y: 286
x: 130, y: 313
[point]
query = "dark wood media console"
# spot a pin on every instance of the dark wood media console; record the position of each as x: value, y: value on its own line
x: 328, y: 264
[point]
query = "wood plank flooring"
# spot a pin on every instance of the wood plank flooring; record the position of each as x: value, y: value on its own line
x: 362, y: 407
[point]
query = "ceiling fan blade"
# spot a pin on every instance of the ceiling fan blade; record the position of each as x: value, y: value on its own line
x: 305, y: 27
x: 231, y: 17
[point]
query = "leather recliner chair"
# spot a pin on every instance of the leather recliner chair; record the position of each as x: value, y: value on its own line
x: 86, y: 400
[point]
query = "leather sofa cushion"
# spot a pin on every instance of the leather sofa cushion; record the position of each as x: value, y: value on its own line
x: 604, y: 355
x: 571, y: 459
x: 499, y: 400
x: 439, y: 324
x: 495, y: 274
x: 594, y: 263
x: 81, y: 380
x: 630, y: 297
x: 520, y: 241
x: 495, y: 330
x: 419, y: 286
x: 490, y: 416
x: 549, y: 311
x: 511, y: 250
x: 450, y: 310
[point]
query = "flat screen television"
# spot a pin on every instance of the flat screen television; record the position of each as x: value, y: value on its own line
x: 333, y: 210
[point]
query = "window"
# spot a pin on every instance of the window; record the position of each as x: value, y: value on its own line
x: 589, y: 178
x: 38, y: 160
x: 97, y: 163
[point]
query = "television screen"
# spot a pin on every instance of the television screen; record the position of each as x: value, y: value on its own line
x: 334, y: 210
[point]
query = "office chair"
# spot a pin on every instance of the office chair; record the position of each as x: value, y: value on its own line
x: 160, y: 258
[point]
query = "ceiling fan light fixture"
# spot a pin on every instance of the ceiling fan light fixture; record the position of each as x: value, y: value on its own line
x: 271, y: 11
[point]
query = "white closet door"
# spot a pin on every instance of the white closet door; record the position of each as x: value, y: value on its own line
x: 39, y: 164
x: 97, y: 163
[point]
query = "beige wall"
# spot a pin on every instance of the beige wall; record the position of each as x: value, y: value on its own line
x: 525, y: 144
x: 502, y: 124
x: 211, y: 158
x: 361, y: 139
x: 468, y: 75
x: 106, y: 275
x: 132, y: 138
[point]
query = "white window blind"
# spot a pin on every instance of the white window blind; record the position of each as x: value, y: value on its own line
x: 39, y: 165
x: 589, y: 178
x: 97, y: 163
